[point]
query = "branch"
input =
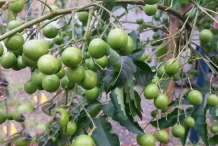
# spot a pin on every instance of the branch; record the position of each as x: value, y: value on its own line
x: 42, y: 18
x: 161, y: 7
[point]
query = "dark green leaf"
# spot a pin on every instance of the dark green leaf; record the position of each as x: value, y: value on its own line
x: 124, y: 120
x: 143, y: 78
x: 126, y: 71
x: 102, y: 135
x: 114, y: 60
x: 137, y: 53
x: 135, y: 35
x: 212, y: 112
x: 79, y: 32
x: 199, y: 114
x: 143, y: 66
x: 83, y: 123
x: 170, y: 120
x: 213, y: 141
x: 94, y: 108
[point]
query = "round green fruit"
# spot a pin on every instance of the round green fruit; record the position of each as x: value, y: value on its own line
x: 14, y: 24
x: 155, y: 80
x: 34, y: 49
x: 214, y: 128
x: 3, y: 117
x: 26, y: 107
x: 92, y: 94
x: 58, y: 40
x: 36, y: 78
x: 50, y: 83
x: 61, y: 73
x: 90, y: 80
x: 50, y: 31
x: 14, y: 42
x: 18, y: 52
x: 71, y: 128
x: 76, y: 74
x: 21, y: 142
x: 53, y: 7
x: 16, y: 6
x: 65, y: 83
x: 83, y: 16
x: 161, y: 101
x: 205, y: 36
x: 212, y: 100
x: 128, y: 48
x: 143, y: 57
x: 150, y: 9
x: 189, y: 122
x: 172, y: 66
x: 97, y: 48
x: 48, y: 64
x: 160, y: 71
x: 156, y: 36
x: 83, y: 140
x: 162, y: 136
x: 139, y: 21
x: 20, y: 63
x: 151, y: 91
x: 154, y: 113
x: 1, y: 49
x: 28, y: 62
x: 117, y: 39
x: 157, y: 16
x: 90, y: 64
x: 195, y: 97
x: 178, y: 131
x: 29, y: 87
x: 8, y: 60
x: 102, y: 62
x: 146, y: 140
x: 71, y: 57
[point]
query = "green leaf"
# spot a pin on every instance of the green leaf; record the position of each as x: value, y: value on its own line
x: 212, y: 112
x: 126, y: 71
x: 143, y: 66
x: 120, y: 99
x: 79, y: 31
x: 143, y: 78
x: 132, y: 99
x: 83, y: 123
x: 199, y: 114
x: 135, y: 37
x: 124, y: 121
x: 170, y: 120
x: 94, y: 108
x: 175, y: 5
x: 102, y: 135
x: 137, y: 53
x: 114, y: 60
x: 213, y: 141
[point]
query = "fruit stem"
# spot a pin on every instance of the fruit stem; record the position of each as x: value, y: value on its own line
x: 157, y: 121
x: 58, y: 92
x: 203, y: 11
x: 46, y: 5
x: 190, y: 36
x: 88, y: 115
x: 148, y: 123
x: 72, y: 97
